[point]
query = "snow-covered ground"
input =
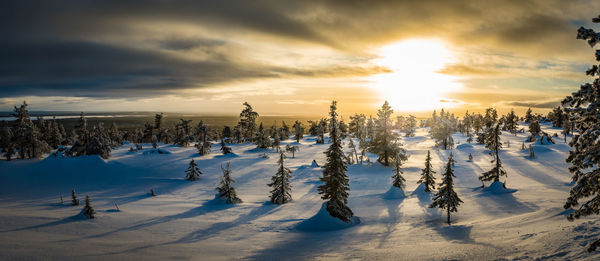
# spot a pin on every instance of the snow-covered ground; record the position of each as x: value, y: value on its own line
x: 185, y: 222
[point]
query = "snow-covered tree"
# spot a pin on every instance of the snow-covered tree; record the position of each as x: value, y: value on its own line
x: 26, y: 136
x: 280, y: 182
x: 494, y: 144
x: 247, y: 122
x: 446, y: 198
x: 534, y: 129
x: 528, y: 116
x: 183, y: 133
x: 74, y: 200
x: 226, y: 189
x: 298, y: 131
x: 354, y: 152
x: 409, y: 126
x: 385, y: 143
x: 397, y: 179
x: 427, y: 177
x: 88, y: 211
x: 224, y: 148
x: 510, y: 122
x: 262, y: 140
x: 321, y: 129
x: 192, y: 172
x: 292, y: 149
x: 442, y: 131
x: 284, y: 131
x: 336, y: 183
x: 357, y: 126
x: 583, y: 108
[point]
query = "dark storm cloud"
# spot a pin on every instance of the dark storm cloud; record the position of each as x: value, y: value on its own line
x: 103, y: 48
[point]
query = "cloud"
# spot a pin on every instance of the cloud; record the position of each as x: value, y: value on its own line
x: 535, y: 104
x: 132, y: 49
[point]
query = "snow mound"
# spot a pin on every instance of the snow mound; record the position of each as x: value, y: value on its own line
x: 156, y: 151
x: 421, y: 194
x: 314, y: 164
x: 394, y: 193
x: 496, y: 188
x: 228, y: 155
x: 322, y: 221
x: 464, y: 146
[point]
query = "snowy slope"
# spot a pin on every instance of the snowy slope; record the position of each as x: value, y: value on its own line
x: 185, y: 222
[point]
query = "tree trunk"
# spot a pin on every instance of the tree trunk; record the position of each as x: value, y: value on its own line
x: 448, y: 215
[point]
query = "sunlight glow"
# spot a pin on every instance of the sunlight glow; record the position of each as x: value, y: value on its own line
x: 414, y: 84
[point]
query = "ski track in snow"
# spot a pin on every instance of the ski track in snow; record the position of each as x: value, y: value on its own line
x: 184, y: 221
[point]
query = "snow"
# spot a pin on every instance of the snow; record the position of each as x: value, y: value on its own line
x: 322, y: 221
x: 394, y: 193
x: 185, y: 221
x: 497, y: 188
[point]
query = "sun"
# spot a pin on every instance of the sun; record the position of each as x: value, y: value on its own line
x: 413, y: 83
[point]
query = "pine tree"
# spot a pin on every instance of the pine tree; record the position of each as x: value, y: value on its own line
x: 247, y: 122
x: 583, y: 107
x: 298, y: 131
x: 26, y: 135
x: 74, y: 200
x: 88, y: 210
x: 397, y: 179
x: 528, y: 116
x: 494, y: 144
x: 192, y: 173
x: 446, y: 197
x: 427, y: 177
x: 183, y: 133
x: 384, y: 142
x: 280, y: 183
x: 224, y: 148
x: 511, y: 122
x: 534, y: 129
x: 262, y: 141
x: 470, y: 157
x: 291, y: 149
x: 226, y: 189
x: 358, y: 126
x: 451, y: 158
x: 335, y: 188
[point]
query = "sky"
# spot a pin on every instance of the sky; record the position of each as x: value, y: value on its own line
x: 292, y: 57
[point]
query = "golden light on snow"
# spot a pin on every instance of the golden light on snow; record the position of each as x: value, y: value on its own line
x: 414, y: 84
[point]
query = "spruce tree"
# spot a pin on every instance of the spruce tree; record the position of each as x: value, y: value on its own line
x: 397, y: 179
x: 358, y: 126
x: 88, y: 211
x: 384, y: 142
x: 582, y: 108
x: 226, y: 189
x: 280, y: 182
x: 427, y: 177
x: 74, y: 200
x: 224, y: 148
x: 192, y: 172
x: 247, y: 122
x: 262, y: 141
x: 446, y: 197
x: 534, y: 129
x: 291, y: 149
x: 528, y: 116
x: 336, y: 183
x: 298, y: 131
x: 494, y: 144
